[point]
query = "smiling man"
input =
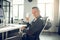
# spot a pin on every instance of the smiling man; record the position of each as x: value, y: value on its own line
x: 35, y: 27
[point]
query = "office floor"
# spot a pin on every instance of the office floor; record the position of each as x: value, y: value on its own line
x: 45, y: 36
x: 49, y: 36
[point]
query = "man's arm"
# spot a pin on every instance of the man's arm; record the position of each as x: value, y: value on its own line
x: 28, y: 24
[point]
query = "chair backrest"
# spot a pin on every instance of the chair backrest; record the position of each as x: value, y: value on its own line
x: 45, y: 23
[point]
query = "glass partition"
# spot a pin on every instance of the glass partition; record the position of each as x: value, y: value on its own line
x: 13, y: 11
x: 6, y: 10
x: 1, y: 13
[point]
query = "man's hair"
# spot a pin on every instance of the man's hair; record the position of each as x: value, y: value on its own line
x: 35, y: 8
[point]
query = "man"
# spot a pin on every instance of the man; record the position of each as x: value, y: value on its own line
x: 35, y: 27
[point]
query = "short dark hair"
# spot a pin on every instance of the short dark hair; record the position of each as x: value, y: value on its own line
x: 35, y: 8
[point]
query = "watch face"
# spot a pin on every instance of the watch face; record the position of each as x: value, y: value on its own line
x: 30, y: 0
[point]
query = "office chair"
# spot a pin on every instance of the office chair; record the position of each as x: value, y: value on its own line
x: 35, y: 37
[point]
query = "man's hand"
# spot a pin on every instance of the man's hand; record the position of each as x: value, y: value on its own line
x: 27, y: 19
x: 22, y: 28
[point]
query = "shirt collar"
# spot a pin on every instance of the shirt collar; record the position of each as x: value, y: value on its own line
x: 37, y: 18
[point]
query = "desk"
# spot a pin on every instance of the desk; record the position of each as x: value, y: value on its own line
x: 9, y: 27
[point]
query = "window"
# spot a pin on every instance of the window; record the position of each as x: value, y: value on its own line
x: 15, y: 11
x: 18, y: 1
x: 49, y: 11
x: 18, y: 9
x: 46, y: 8
x: 45, y: 1
x: 42, y: 9
x: 21, y: 11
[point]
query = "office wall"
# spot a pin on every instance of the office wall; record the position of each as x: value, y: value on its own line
x: 54, y: 28
x: 59, y: 9
x: 28, y: 7
x: 56, y: 11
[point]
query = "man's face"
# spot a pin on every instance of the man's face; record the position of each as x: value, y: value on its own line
x: 35, y: 12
